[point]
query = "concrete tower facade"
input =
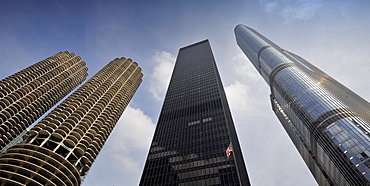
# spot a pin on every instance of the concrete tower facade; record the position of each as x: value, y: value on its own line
x: 61, y: 147
x: 27, y: 95
x: 328, y: 123
x: 195, y: 128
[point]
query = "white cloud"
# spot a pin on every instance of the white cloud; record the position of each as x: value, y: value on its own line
x: 125, y: 151
x: 244, y: 69
x: 161, y: 75
x: 134, y: 131
x: 240, y: 99
x: 292, y: 10
x: 244, y: 100
x: 270, y: 6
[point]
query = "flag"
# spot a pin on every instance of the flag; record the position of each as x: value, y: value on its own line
x: 229, y: 150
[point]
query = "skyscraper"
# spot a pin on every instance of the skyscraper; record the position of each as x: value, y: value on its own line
x: 328, y: 123
x: 27, y: 95
x: 195, y: 128
x: 63, y: 145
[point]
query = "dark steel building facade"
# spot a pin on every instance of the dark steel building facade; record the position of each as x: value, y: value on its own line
x: 28, y: 94
x: 194, y: 128
x: 328, y: 123
x: 62, y: 147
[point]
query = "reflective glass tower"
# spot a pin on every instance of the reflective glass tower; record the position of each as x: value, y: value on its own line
x: 328, y: 123
x: 62, y: 146
x: 195, y: 128
x: 28, y: 94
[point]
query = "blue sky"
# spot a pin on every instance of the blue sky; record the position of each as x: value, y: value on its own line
x: 333, y: 35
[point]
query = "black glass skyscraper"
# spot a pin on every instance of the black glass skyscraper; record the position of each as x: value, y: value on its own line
x: 328, y: 123
x: 195, y: 128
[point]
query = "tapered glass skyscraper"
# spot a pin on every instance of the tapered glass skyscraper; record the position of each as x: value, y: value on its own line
x: 328, y: 123
x: 28, y: 94
x: 62, y: 146
x: 195, y: 128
